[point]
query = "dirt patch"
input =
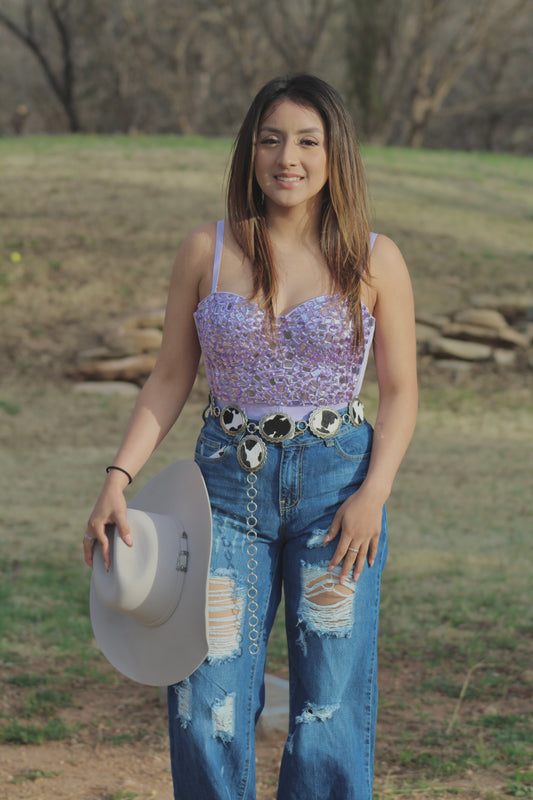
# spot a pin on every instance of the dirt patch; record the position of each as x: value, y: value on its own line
x: 119, y: 748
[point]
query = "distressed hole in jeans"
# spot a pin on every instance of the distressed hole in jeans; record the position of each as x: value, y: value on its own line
x: 316, y: 713
x: 224, y: 718
x: 311, y: 712
x: 316, y: 538
x: 183, y: 693
x: 225, y: 606
x: 327, y: 606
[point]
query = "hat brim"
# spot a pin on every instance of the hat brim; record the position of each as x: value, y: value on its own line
x: 168, y: 653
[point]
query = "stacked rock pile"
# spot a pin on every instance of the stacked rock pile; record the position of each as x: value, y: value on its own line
x: 124, y: 358
x: 492, y: 330
x: 497, y: 330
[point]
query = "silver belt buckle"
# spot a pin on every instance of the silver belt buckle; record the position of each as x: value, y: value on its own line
x: 277, y: 427
x: 325, y: 422
x: 233, y: 420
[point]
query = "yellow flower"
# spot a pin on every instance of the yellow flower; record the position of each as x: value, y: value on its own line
x: 15, y: 257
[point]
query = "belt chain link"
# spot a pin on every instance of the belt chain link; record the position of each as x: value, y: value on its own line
x: 251, y: 551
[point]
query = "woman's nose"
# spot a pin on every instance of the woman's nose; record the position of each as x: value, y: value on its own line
x: 288, y: 155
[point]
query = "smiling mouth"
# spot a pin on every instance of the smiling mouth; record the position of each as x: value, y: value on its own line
x: 287, y: 179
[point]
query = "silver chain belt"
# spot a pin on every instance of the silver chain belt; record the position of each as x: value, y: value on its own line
x: 273, y: 428
x: 277, y: 427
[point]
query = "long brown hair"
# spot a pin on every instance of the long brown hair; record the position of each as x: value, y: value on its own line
x: 344, y: 225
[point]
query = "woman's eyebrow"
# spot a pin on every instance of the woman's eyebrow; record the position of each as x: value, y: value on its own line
x: 271, y: 129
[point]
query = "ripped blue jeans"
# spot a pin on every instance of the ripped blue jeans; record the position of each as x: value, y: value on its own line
x: 331, y: 628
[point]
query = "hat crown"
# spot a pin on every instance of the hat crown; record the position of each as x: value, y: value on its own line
x: 143, y: 580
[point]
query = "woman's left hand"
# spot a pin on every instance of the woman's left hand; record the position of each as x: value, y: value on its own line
x: 358, y: 520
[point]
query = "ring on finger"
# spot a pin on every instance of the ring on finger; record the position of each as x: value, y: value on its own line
x: 353, y: 550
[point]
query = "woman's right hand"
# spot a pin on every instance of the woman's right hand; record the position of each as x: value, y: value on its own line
x: 110, y: 509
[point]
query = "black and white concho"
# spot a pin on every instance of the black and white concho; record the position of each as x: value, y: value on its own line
x: 356, y: 412
x: 325, y: 422
x: 233, y: 420
x: 251, y: 453
x: 277, y: 427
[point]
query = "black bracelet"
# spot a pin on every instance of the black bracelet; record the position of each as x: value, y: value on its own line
x: 121, y: 469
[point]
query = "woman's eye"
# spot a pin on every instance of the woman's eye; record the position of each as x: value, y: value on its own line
x: 269, y: 140
x: 309, y: 142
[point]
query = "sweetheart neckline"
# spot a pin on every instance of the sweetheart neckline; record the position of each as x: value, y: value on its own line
x: 280, y: 316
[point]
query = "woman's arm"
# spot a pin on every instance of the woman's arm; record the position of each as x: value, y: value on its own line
x: 164, y: 393
x: 359, y: 518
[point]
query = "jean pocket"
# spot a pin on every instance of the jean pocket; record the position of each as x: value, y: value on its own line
x: 210, y: 449
x: 350, y: 449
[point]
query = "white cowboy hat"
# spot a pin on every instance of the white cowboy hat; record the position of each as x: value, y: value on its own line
x: 149, y: 612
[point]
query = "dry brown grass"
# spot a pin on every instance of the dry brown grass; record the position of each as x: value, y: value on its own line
x: 97, y: 223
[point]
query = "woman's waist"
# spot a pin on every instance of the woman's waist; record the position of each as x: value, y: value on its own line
x: 275, y: 424
x: 256, y: 411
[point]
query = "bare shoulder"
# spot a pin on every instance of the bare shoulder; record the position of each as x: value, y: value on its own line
x: 389, y: 275
x: 386, y: 260
x: 386, y: 270
x: 198, y: 245
x: 194, y: 260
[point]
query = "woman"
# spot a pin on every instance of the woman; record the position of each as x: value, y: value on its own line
x: 284, y: 301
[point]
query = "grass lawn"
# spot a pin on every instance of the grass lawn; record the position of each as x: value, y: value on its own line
x: 96, y: 223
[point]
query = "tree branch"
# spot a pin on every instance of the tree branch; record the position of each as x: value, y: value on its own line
x: 29, y: 39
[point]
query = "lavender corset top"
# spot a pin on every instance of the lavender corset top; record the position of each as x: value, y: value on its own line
x: 308, y: 360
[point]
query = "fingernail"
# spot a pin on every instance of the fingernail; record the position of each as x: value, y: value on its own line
x: 371, y: 562
x: 128, y: 539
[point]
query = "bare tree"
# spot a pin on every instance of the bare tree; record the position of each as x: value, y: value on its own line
x: 61, y: 77
x: 155, y: 65
x: 295, y: 30
x: 368, y: 26
x: 440, y: 72
x: 206, y: 62
x: 421, y: 51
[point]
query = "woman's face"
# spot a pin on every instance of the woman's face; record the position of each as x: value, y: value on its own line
x: 291, y: 164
